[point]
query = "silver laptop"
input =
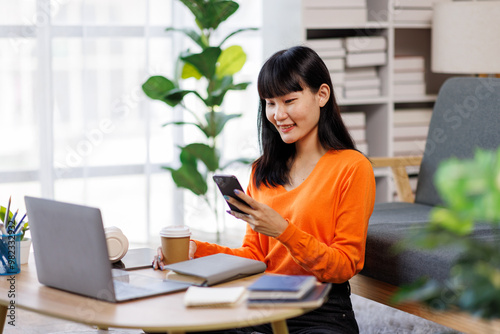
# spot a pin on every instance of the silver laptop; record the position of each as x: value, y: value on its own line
x: 71, y: 254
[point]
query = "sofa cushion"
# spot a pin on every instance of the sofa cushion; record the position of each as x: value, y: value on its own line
x: 389, y: 224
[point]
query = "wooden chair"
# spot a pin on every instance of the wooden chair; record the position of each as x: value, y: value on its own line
x: 466, y: 116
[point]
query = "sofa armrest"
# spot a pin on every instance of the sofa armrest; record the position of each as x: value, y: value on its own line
x: 398, y: 166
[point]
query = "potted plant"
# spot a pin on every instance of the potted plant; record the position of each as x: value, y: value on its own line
x: 25, y: 243
x: 470, y: 190
x: 213, y: 66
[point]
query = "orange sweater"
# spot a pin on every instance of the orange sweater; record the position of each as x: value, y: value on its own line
x: 328, y: 219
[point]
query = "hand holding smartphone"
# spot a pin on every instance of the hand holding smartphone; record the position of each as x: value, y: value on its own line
x: 227, y: 184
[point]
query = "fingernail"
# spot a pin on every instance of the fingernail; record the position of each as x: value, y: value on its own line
x: 226, y: 197
x: 237, y: 192
x: 229, y: 211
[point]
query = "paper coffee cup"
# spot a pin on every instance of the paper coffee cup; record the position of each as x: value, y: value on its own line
x: 117, y: 243
x: 175, y: 243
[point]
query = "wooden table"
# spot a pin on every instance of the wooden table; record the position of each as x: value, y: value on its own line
x: 155, y: 314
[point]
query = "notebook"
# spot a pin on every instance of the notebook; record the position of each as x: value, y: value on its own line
x: 71, y: 254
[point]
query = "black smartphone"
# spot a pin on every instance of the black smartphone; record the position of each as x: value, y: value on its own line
x: 227, y: 184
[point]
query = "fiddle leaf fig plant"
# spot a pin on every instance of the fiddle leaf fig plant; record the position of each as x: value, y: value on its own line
x: 470, y: 190
x: 212, y: 66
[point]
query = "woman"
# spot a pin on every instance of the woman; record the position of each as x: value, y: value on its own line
x: 310, y: 193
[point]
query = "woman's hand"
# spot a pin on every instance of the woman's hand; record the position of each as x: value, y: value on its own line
x: 158, y: 260
x: 159, y: 257
x: 260, y: 217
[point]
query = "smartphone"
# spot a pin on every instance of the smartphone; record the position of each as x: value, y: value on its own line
x: 227, y: 184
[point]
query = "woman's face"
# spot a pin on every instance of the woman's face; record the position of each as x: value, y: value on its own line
x: 296, y: 115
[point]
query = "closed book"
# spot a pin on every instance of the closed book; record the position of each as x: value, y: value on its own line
x: 411, y: 132
x: 281, y: 286
x: 354, y: 119
x: 409, y: 147
x: 413, y: 3
x: 325, y: 43
x: 358, y: 135
x: 365, y: 43
x: 361, y: 92
x: 196, y: 296
x: 338, y: 78
x: 360, y: 72
x: 334, y: 64
x: 411, y: 89
x: 334, y: 3
x: 404, y: 117
x: 325, y: 18
x: 409, y: 63
x: 413, y: 15
x: 362, y: 83
x: 362, y: 147
x: 214, y: 269
x: 333, y: 53
x: 405, y: 77
x: 315, y: 298
x: 366, y: 59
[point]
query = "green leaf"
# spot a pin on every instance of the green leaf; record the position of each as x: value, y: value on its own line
x: 451, y: 221
x: 185, y: 123
x: 197, y: 38
x: 230, y: 61
x: 204, y: 62
x: 220, y: 87
x: 189, y: 178
x: 205, y: 153
x: 244, y: 161
x: 217, y: 120
x: 189, y: 71
x: 162, y: 89
x: 420, y: 290
x: 210, y: 13
x: 234, y: 33
x: 175, y: 96
x: 157, y: 87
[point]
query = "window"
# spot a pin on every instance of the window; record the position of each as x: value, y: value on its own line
x: 75, y: 125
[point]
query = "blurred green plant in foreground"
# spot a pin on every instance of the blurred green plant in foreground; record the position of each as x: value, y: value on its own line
x: 470, y: 190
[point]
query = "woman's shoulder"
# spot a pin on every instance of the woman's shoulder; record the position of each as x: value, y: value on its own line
x: 347, y: 156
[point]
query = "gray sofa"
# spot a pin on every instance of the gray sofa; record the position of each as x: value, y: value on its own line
x: 466, y: 116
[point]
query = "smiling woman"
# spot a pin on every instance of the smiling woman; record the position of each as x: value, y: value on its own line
x: 310, y: 194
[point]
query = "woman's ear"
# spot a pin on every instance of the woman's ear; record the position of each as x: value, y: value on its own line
x: 323, y: 94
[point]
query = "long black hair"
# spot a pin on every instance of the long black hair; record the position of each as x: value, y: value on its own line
x: 285, y: 72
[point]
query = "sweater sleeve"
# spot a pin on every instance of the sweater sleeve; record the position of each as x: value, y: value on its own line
x: 250, y: 248
x: 344, y: 257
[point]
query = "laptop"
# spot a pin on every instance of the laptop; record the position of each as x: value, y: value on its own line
x: 71, y: 254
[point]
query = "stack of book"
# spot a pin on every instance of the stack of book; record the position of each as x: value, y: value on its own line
x: 414, y: 11
x: 322, y: 14
x: 410, y: 131
x: 332, y: 51
x: 409, y: 76
x: 410, y: 135
x: 287, y: 290
x: 356, y: 124
x: 364, y: 54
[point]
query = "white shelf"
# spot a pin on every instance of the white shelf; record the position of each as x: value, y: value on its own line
x: 412, y: 25
x: 367, y: 100
x: 415, y: 98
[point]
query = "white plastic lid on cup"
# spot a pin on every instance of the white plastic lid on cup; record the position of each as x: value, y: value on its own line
x: 117, y: 243
x: 175, y: 231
